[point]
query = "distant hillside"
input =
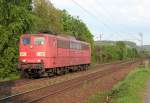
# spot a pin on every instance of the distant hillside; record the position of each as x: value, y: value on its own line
x: 147, y: 47
x: 128, y: 43
x: 104, y: 42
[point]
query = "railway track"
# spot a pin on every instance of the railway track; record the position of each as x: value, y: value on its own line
x: 21, y: 82
x: 7, y: 84
x: 14, y: 87
x: 34, y: 96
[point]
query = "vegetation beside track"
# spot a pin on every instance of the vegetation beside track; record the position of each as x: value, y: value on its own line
x: 13, y: 76
x: 130, y: 90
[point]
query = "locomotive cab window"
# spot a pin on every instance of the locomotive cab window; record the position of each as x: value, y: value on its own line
x: 39, y: 40
x: 26, y: 40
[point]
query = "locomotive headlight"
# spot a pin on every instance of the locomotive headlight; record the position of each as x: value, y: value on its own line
x: 40, y: 53
x: 39, y: 60
x: 23, y: 54
x: 23, y: 60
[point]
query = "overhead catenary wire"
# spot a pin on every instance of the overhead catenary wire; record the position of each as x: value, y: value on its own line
x: 98, y: 18
x: 110, y: 14
x: 105, y: 9
x: 91, y: 14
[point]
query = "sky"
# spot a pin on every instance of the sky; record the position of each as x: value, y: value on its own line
x: 115, y: 19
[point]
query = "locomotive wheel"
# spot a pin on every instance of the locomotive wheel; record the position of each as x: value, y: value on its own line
x: 36, y: 76
x: 59, y: 71
x: 24, y: 74
x: 50, y: 74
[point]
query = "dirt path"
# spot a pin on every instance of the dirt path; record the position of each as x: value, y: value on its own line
x: 81, y: 93
x: 147, y: 97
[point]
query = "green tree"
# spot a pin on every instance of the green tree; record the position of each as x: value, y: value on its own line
x: 121, y: 47
x: 15, y: 18
x: 49, y: 18
x: 75, y: 27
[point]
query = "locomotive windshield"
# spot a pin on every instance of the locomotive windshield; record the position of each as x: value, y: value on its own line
x: 26, y: 40
x: 39, y: 40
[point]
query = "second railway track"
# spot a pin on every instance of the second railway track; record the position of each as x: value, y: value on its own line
x: 35, y: 95
x: 22, y: 82
x: 13, y: 87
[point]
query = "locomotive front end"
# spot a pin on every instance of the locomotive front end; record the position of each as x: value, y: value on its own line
x: 32, y: 53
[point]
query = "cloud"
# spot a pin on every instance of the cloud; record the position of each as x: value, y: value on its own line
x: 123, y: 16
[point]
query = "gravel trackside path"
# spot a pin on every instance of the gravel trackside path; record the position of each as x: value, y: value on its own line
x: 80, y: 94
x: 76, y: 90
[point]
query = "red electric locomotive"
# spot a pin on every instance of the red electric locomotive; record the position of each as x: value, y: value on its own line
x: 45, y: 53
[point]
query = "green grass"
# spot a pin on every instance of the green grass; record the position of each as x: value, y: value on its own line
x: 98, y: 97
x: 10, y: 77
x: 130, y: 90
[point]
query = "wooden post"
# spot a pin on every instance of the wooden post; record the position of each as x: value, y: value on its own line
x: 146, y: 64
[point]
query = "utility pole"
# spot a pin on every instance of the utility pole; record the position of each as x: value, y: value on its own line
x: 100, y: 36
x: 141, y: 40
x: 100, y: 51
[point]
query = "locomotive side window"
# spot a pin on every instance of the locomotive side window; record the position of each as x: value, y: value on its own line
x: 85, y: 47
x: 62, y: 44
x: 39, y: 40
x: 74, y: 45
x: 78, y: 46
x: 26, y: 40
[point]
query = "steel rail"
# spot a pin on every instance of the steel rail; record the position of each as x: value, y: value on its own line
x: 9, y: 97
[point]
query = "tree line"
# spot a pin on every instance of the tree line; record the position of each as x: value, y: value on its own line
x: 116, y: 51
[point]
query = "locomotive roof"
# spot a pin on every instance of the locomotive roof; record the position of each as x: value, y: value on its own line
x: 57, y: 36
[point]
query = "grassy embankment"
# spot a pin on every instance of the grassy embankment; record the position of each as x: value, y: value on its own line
x: 11, y: 77
x: 130, y: 90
